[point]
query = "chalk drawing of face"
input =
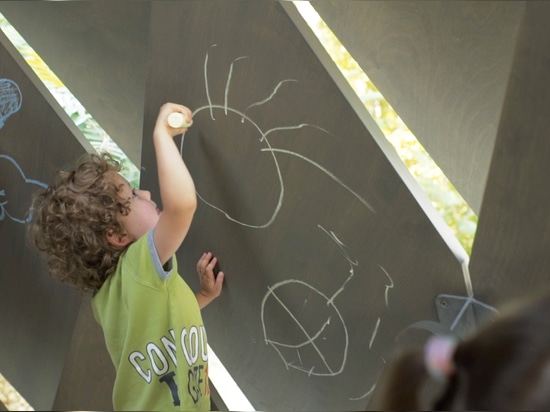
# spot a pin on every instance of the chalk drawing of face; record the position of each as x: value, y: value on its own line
x: 315, y: 337
x: 238, y: 121
x: 10, y: 99
x: 314, y: 345
x: 12, y: 187
x: 309, y: 352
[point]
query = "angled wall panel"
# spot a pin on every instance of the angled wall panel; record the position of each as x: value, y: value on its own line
x: 38, y: 313
x: 443, y: 66
x: 510, y: 257
x: 99, y: 51
x: 88, y: 373
x: 328, y: 257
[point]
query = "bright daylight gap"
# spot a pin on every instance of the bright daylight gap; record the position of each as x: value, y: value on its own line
x: 455, y: 211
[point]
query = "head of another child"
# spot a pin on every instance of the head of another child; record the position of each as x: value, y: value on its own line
x: 503, y: 366
x: 85, y: 220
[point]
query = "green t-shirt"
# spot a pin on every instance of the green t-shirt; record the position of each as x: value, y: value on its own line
x: 154, y: 333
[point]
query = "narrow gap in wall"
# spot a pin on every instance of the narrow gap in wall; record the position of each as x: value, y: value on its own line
x: 89, y: 127
x: 12, y: 399
x: 446, y: 199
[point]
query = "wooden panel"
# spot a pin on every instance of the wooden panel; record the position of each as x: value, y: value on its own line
x: 510, y: 255
x: 36, y: 139
x: 328, y: 257
x: 443, y: 66
x: 99, y: 50
x: 88, y: 375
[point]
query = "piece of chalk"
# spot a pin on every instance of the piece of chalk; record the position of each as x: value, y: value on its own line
x: 177, y: 120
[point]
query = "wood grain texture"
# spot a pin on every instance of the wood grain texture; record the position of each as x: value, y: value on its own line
x: 38, y: 313
x: 510, y: 255
x: 443, y: 66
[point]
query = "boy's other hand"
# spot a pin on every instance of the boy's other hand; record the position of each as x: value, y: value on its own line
x: 211, y: 286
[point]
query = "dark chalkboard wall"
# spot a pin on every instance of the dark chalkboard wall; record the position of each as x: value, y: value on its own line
x: 328, y: 257
x: 37, y: 314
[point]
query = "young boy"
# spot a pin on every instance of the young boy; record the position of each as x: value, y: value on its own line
x: 103, y: 236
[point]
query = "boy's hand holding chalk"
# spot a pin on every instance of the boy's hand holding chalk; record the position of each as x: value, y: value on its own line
x: 178, y: 120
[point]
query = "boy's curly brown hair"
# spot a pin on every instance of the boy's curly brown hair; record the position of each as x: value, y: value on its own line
x: 71, y: 217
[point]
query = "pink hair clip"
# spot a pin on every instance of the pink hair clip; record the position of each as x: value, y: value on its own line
x: 438, y: 356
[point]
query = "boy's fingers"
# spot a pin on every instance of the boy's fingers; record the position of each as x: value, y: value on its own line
x: 219, y: 280
x: 212, y: 263
x: 203, y: 261
x: 199, y: 262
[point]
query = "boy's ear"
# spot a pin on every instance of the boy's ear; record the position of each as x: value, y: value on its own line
x: 118, y: 240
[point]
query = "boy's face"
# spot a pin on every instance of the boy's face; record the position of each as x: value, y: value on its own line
x: 144, y: 213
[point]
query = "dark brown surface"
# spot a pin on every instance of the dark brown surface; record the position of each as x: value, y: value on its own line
x: 286, y: 259
x: 38, y: 313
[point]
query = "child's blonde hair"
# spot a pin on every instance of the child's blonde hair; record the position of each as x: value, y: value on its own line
x: 71, y: 217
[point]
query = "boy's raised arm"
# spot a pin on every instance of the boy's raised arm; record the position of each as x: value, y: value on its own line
x: 177, y: 190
